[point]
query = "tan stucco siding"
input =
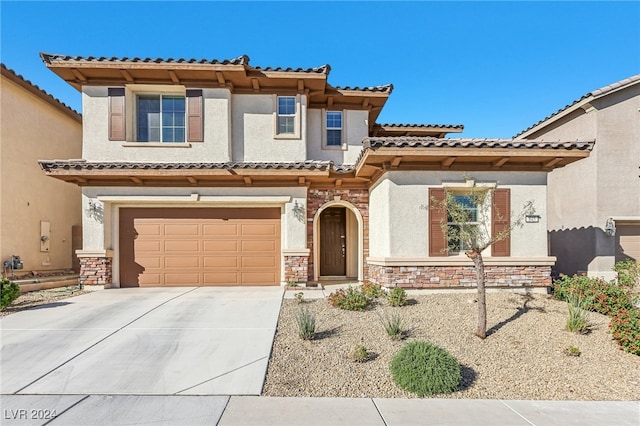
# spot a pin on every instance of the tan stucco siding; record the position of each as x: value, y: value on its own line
x: 355, y: 128
x: 399, y: 211
x: 33, y: 129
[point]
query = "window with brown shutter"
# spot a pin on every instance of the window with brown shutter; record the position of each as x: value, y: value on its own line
x: 437, y: 237
x: 195, y: 127
x: 501, y: 220
x: 116, y: 114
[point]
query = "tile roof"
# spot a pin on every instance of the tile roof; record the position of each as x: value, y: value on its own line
x: 595, y: 93
x: 43, y: 93
x: 446, y: 126
x: 48, y: 165
x: 431, y: 142
x: 386, y: 88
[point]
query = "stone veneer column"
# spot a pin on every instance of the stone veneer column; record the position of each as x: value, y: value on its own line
x: 316, y: 198
x: 95, y: 267
x: 296, y: 268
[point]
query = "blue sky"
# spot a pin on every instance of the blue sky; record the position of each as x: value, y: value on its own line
x: 496, y: 67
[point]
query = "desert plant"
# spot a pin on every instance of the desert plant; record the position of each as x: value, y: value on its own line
x: 292, y: 284
x: 393, y: 325
x: 359, y: 354
x: 351, y: 299
x: 306, y: 324
x: 371, y: 290
x: 598, y: 295
x: 578, y: 321
x: 572, y: 351
x: 300, y: 297
x: 397, y: 297
x: 628, y: 272
x: 10, y: 292
x: 425, y: 369
x: 625, y: 328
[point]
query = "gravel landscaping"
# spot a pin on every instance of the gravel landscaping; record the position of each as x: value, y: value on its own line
x: 523, y: 356
x: 41, y: 297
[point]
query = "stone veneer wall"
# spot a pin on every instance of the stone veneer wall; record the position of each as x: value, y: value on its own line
x: 316, y: 198
x: 95, y: 271
x: 459, y: 276
x: 296, y: 269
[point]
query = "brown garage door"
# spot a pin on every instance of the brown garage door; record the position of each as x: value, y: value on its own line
x: 199, y: 246
x: 627, y: 242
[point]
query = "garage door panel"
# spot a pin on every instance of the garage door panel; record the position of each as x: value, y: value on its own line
x: 182, y: 262
x: 199, y: 246
x: 220, y: 246
x: 221, y: 229
x: 220, y: 262
x: 181, y: 246
x: 221, y: 278
x: 627, y: 242
x: 181, y: 229
x: 259, y: 246
x: 258, y: 262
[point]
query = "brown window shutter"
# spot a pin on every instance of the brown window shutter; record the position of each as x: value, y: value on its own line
x: 501, y: 220
x: 437, y: 237
x: 116, y: 114
x: 195, y: 128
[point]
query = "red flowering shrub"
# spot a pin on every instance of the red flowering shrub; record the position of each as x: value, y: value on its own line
x: 600, y: 296
x: 351, y: 299
x: 625, y: 328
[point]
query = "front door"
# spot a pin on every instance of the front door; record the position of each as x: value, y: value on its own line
x: 333, y: 242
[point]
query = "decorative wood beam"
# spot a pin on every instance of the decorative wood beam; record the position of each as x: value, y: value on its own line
x: 301, y: 180
x: 396, y: 162
x: 255, y: 84
x: 499, y: 163
x: 81, y: 78
x: 247, y: 180
x: 365, y: 103
x: 552, y: 162
x: 80, y: 180
x: 126, y: 76
x: 174, y: 77
x: 136, y: 180
x: 220, y: 78
x: 330, y: 101
x: 338, y: 183
x: 447, y: 162
x: 301, y: 86
x: 192, y: 180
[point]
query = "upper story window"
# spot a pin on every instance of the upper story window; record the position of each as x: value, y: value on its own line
x: 161, y: 118
x: 286, y: 115
x: 334, y: 128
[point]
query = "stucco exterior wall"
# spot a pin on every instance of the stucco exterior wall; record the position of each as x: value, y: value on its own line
x: 355, y: 127
x: 399, y: 211
x: 583, y: 195
x: 101, y: 231
x: 33, y: 129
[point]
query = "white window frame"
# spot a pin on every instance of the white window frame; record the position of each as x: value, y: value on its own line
x: 296, y: 118
x: 477, y: 222
x: 325, y: 129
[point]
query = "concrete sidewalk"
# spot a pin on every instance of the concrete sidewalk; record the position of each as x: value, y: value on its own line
x: 256, y: 410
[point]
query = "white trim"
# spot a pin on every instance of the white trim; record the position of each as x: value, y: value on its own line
x: 625, y: 219
x: 202, y: 200
x: 461, y: 261
x: 296, y: 252
x: 316, y: 237
x: 94, y: 253
x: 156, y: 144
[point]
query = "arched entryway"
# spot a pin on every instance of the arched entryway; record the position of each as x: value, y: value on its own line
x: 338, y: 242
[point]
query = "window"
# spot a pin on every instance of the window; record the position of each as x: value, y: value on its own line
x: 286, y: 111
x: 470, y: 214
x: 161, y: 118
x: 334, y: 128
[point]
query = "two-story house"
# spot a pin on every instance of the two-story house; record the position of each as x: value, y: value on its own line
x: 594, y: 219
x: 217, y: 172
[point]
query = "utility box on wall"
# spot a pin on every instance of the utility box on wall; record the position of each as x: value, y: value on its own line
x: 45, y: 235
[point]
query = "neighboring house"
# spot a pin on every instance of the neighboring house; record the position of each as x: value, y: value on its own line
x: 37, y: 214
x: 208, y: 172
x: 594, y: 205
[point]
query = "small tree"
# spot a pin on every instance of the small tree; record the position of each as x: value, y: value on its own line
x: 467, y: 225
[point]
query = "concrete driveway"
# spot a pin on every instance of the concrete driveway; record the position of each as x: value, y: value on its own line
x: 156, y: 341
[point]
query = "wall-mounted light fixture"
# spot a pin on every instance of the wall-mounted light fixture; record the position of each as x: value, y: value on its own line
x: 610, y: 227
x: 94, y: 211
x: 532, y: 218
x: 299, y: 212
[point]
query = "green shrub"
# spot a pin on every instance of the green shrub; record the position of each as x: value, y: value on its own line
x: 625, y: 328
x: 393, y: 325
x: 578, y: 321
x: 371, y: 290
x: 300, y: 297
x: 397, y: 297
x: 351, y: 299
x: 599, y: 296
x: 306, y: 324
x: 10, y: 292
x: 425, y: 369
x: 359, y: 354
x: 628, y: 272
x: 572, y: 351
